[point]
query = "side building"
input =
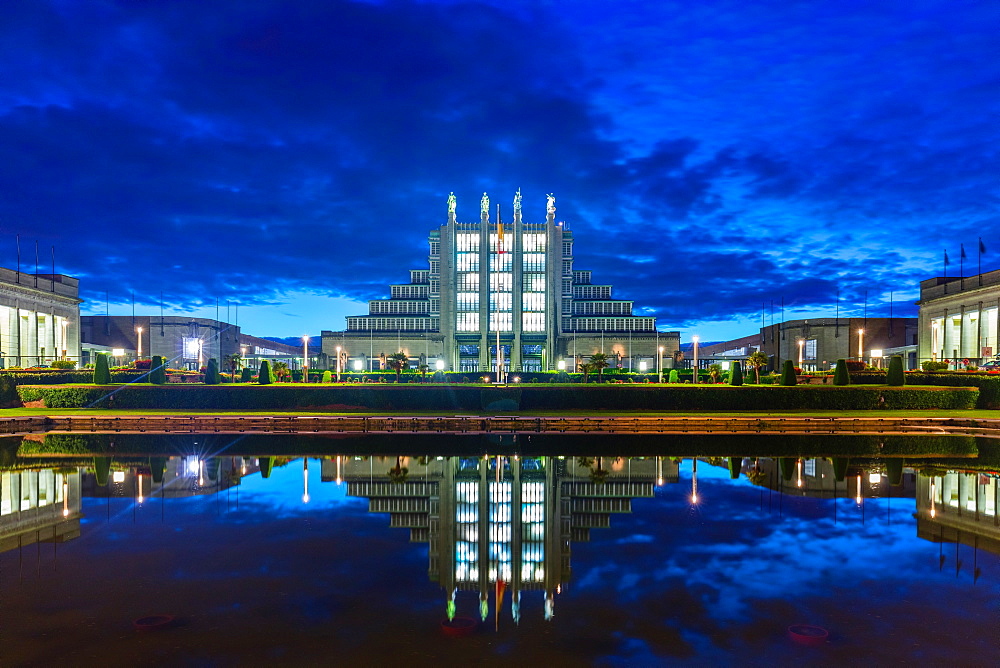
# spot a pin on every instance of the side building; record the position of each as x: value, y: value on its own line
x: 960, y: 318
x: 514, y: 279
x: 187, y: 343
x: 39, y: 318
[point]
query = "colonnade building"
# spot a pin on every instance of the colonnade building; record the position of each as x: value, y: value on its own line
x: 516, y: 279
x: 959, y: 318
x: 39, y: 318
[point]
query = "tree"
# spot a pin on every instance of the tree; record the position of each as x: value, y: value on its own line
x: 327, y: 376
x: 895, y: 376
x: 102, y: 374
x: 715, y: 372
x: 397, y: 362
x: 788, y: 374
x: 212, y: 372
x: 599, y: 361
x: 756, y: 361
x: 280, y: 371
x: 398, y: 473
x: 423, y: 369
x: 586, y: 368
x: 674, y: 376
x: 841, y: 376
x: 736, y: 375
x: 233, y: 362
x: 158, y: 371
x: 264, y: 375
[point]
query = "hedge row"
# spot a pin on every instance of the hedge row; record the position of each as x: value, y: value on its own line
x: 988, y: 385
x: 290, y: 445
x: 473, y: 398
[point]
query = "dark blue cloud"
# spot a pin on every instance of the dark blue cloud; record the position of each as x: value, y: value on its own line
x: 709, y: 157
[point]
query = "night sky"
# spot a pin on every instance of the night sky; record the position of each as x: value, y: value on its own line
x: 292, y: 157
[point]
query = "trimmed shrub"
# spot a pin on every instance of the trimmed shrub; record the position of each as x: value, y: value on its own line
x: 327, y: 376
x: 673, y: 376
x: 102, y: 468
x: 246, y: 376
x: 895, y: 376
x: 894, y: 470
x: 265, y: 463
x: 840, y: 465
x: 212, y: 372
x: 102, y: 374
x: 735, y: 464
x: 788, y: 374
x: 787, y: 467
x: 264, y: 374
x: 158, y: 371
x: 736, y: 375
x: 63, y: 364
x: 841, y: 376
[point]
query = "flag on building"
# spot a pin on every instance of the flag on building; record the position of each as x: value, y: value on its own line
x: 499, y: 237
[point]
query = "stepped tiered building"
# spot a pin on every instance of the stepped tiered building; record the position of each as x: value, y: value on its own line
x: 515, y: 278
x: 506, y: 520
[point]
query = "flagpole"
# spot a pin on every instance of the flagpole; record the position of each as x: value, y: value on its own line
x: 961, y: 267
x: 979, y: 261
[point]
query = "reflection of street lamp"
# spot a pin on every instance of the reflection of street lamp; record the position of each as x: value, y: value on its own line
x: 338, y: 364
x: 694, y: 480
x: 305, y: 480
x: 694, y: 340
x: 305, y: 359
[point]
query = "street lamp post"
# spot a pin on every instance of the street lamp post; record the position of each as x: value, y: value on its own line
x: 802, y: 343
x: 861, y: 344
x: 338, y: 364
x: 659, y: 364
x: 305, y: 359
x: 934, y: 341
x: 65, y: 343
x: 138, y: 353
x: 694, y: 376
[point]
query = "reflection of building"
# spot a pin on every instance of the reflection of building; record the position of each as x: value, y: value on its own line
x: 39, y: 505
x: 514, y: 526
x: 517, y: 278
x: 959, y: 507
x: 39, y: 318
x: 182, y: 476
x: 817, y: 478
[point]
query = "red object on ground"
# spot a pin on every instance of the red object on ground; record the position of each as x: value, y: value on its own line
x: 809, y: 636
x: 153, y: 622
x: 459, y: 627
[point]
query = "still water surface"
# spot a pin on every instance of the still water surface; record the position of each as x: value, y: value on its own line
x: 602, y: 560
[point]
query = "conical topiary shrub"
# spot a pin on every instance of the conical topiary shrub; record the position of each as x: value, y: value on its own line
x: 894, y: 470
x: 840, y: 465
x: 158, y: 371
x: 788, y: 374
x: 102, y: 374
x: 735, y: 464
x: 212, y: 372
x: 736, y: 374
x: 264, y: 375
x: 246, y: 376
x: 102, y: 470
x: 895, y: 376
x: 265, y: 464
x: 841, y: 376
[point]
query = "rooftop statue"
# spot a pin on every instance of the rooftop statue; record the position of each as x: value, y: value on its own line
x: 551, y: 206
x: 484, y: 204
x: 451, y: 204
x: 517, y: 202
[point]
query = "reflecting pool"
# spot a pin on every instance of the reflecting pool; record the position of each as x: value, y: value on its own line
x: 321, y: 553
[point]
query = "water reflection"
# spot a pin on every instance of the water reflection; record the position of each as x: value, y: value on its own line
x: 677, y: 556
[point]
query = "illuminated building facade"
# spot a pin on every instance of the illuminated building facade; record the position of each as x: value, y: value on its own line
x: 959, y: 319
x: 39, y: 318
x: 507, y: 521
x: 515, y: 280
